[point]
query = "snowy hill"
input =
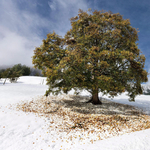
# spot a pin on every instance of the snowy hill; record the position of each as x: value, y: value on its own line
x: 26, y: 131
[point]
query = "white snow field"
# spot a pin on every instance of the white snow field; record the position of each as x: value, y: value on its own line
x: 27, y: 131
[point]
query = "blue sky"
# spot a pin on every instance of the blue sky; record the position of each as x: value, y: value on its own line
x: 24, y: 23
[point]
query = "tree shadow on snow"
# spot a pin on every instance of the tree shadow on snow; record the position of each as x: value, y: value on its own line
x: 79, y: 104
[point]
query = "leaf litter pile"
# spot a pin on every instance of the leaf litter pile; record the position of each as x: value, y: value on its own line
x: 71, y: 115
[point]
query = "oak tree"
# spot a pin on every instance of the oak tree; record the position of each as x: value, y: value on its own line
x: 99, y: 53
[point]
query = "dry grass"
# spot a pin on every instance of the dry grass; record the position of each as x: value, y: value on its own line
x: 70, y: 113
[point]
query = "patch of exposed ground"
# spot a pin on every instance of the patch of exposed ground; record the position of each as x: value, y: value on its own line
x: 71, y: 114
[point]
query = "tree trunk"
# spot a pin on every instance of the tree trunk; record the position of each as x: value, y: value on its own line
x: 95, y: 99
x: 5, y: 81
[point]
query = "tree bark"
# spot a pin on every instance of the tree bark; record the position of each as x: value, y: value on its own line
x: 5, y: 81
x: 95, y: 99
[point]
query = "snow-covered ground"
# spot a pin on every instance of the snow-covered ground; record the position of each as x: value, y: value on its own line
x: 26, y: 131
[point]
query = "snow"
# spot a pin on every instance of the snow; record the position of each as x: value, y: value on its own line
x: 27, y: 131
x: 141, y: 101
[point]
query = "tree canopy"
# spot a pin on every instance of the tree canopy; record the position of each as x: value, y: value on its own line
x: 99, y: 53
x: 10, y: 74
x: 23, y: 69
x: 15, y: 72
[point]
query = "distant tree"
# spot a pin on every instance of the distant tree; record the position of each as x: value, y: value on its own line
x: 25, y: 71
x: 10, y: 74
x: 17, y: 67
x: 15, y: 72
x: 1, y: 73
x: 99, y: 53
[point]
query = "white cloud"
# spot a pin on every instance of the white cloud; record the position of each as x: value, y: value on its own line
x: 21, y: 28
x: 19, y: 33
x: 68, y: 5
x: 63, y: 10
x: 15, y: 48
x: 52, y: 5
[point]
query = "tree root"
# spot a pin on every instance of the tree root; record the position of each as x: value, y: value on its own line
x: 91, y: 101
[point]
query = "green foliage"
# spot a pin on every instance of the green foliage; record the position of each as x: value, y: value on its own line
x: 11, y: 74
x: 15, y: 72
x: 99, y: 53
x: 23, y: 69
x: 1, y: 73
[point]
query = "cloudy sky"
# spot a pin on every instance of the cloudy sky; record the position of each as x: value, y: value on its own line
x: 24, y: 23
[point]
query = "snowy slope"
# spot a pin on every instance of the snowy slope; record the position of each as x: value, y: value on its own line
x: 26, y: 131
x: 141, y: 101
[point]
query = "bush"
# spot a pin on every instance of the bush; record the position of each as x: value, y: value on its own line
x: 1, y: 73
x: 15, y: 72
x: 11, y: 75
x: 25, y: 71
